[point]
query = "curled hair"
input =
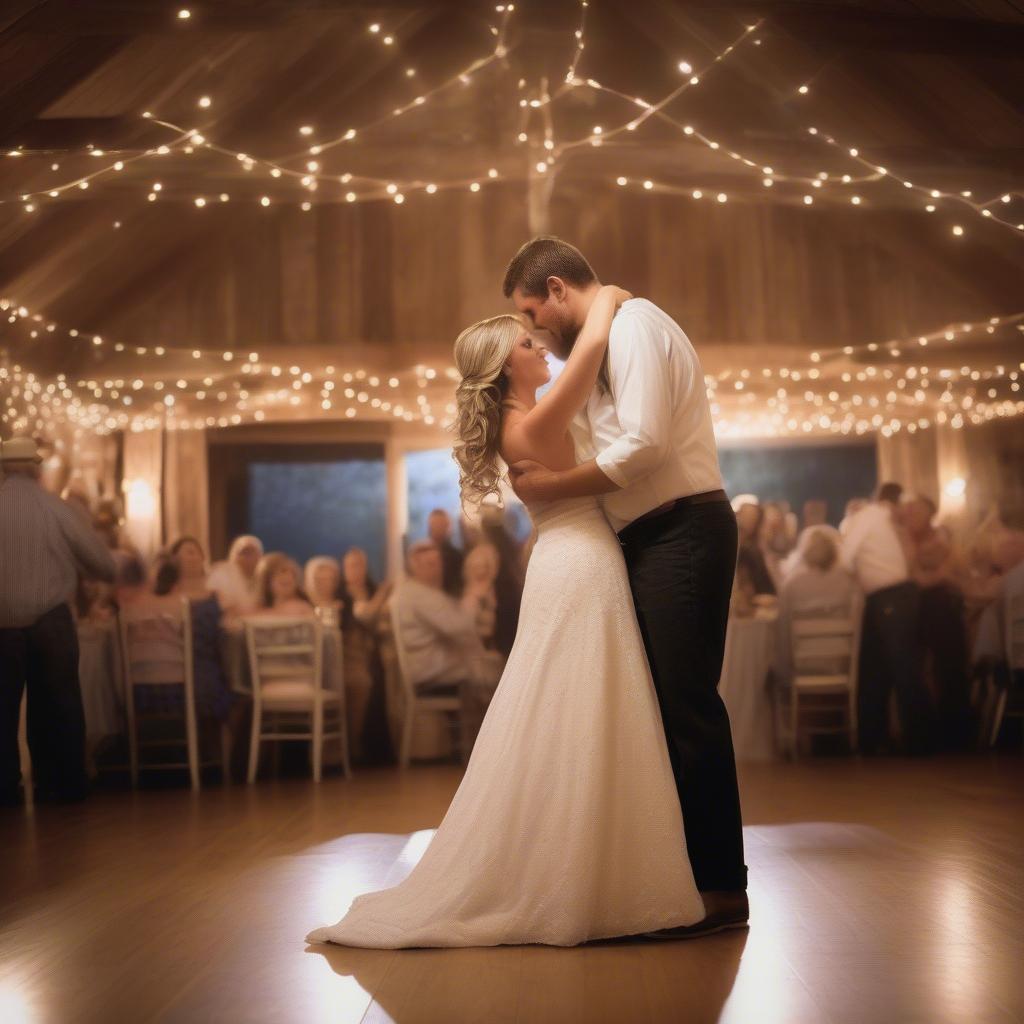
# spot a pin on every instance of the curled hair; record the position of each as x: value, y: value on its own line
x: 480, y: 355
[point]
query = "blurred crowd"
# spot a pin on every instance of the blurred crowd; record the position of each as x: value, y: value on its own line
x: 921, y: 592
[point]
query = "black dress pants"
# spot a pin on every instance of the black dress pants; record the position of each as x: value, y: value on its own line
x: 44, y: 658
x: 681, y: 568
x: 890, y: 660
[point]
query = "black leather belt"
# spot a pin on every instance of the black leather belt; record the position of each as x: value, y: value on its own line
x: 690, y: 499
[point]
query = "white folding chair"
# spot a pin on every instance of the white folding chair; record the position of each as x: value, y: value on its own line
x: 442, y: 697
x: 1014, y: 629
x: 286, y: 666
x: 157, y: 650
x: 825, y: 655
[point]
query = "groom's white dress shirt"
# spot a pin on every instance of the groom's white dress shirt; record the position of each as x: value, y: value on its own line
x: 652, y: 435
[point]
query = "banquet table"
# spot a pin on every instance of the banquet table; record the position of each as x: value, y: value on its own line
x: 749, y: 650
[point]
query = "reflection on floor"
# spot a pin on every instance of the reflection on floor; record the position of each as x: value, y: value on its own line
x: 881, y: 892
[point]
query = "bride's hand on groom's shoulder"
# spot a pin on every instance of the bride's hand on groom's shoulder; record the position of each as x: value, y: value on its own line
x: 619, y: 294
x: 528, y: 480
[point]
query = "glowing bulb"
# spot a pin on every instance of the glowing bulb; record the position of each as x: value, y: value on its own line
x: 184, y: 14
x: 431, y: 189
x: 803, y: 90
x: 685, y: 67
x: 204, y: 101
x: 200, y: 201
x: 721, y: 197
x: 957, y: 230
x: 622, y: 181
x: 306, y: 129
x: 264, y: 200
x: 855, y: 200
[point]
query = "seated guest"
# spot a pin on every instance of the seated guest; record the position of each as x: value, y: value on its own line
x: 479, y: 573
x: 362, y: 607
x: 212, y: 690
x: 819, y: 589
x: 439, y: 636
x: 130, y: 584
x: 889, y: 657
x: 794, y: 561
x: 942, y: 622
x: 439, y: 530
x: 751, y: 568
x: 280, y: 593
x: 322, y: 577
x: 815, y: 513
x: 190, y: 559
x: 776, y: 538
x: 234, y: 580
x: 440, y: 639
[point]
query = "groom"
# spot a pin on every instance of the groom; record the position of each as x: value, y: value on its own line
x: 656, y: 463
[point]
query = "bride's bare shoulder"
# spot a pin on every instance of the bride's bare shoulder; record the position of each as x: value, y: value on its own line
x: 512, y: 444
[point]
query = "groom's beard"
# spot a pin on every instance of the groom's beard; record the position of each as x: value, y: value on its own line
x: 567, y: 335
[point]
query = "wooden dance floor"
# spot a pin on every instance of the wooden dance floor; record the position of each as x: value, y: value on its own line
x: 881, y: 892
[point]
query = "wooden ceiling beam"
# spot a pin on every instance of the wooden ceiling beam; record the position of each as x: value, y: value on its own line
x: 63, y: 17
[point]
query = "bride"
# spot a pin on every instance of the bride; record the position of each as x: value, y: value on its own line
x: 566, y: 826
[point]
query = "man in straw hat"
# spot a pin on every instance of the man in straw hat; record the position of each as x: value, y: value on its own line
x: 44, y: 545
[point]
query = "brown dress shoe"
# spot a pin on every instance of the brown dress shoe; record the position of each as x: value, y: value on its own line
x: 724, y: 910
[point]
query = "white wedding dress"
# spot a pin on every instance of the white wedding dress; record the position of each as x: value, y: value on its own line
x: 566, y: 826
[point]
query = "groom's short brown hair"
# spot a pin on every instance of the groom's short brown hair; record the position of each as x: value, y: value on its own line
x: 544, y: 257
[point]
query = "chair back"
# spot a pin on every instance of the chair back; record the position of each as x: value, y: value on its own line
x: 156, y: 646
x: 401, y: 651
x: 284, y: 649
x: 825, y: 647
x: 1015, y: 632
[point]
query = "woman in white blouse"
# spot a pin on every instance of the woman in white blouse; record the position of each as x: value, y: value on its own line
x: 235, y: 579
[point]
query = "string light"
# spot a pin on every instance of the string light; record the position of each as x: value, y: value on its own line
x: 964, y: 196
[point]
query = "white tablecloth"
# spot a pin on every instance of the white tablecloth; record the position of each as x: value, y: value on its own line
x: 749, y: 648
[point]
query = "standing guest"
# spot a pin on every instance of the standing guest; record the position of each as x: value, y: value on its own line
x: 234, y: 579
x: 362, y: 607
x: 322, y: 577
x: 479, y: 597
x: 439, y: 530
x: 873, y: 552
x: 853, y: 506
x: 44, y: 545
x: 508, y: 584
x: 280, y: 588
x: 942, y: 622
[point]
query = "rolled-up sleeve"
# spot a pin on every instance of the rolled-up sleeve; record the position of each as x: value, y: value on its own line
x: 638, y: 370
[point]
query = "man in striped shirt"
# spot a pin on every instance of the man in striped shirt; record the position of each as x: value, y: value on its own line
x: 44, y: 545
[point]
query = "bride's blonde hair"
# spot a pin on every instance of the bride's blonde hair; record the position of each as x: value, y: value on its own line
x: 480, y: 355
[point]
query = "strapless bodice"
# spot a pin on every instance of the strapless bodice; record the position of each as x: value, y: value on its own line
x: 548, y: 513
